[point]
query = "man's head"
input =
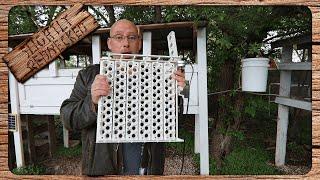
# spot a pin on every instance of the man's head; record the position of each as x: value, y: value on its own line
x: 124, y: 38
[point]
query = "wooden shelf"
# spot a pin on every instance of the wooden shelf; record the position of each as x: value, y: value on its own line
x: 294, y: 103
x: 302, y: 66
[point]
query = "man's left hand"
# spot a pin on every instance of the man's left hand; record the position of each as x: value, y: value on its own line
x: 180, y: 77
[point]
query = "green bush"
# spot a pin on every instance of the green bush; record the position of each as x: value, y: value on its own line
x: 29, y: 170
x: 294, y: 147
x: 247, y: 160
x: 69, y: 152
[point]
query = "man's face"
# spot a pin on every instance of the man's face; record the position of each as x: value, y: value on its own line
x: 124, y: 38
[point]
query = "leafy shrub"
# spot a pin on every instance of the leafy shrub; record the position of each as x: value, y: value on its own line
x: 248, y: 160
x: 29, y: 170
x: 69, y: 152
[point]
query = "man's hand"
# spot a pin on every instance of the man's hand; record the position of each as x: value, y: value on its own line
x: 100, y: 87
x: 180, y: 77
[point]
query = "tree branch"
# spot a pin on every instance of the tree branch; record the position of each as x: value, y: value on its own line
x: 157, y: 16
x: 51, y: 14
x: 27, y: 10
x: 110, y: 11
x: 280, y: 35
x: 98, y: 13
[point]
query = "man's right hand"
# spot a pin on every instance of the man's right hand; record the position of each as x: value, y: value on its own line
x: 100, y: 87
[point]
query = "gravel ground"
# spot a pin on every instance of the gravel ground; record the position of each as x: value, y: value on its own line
x: 72, y: 166
x: 294, y: 170
x: 173, y: 166
x: 63, y: 165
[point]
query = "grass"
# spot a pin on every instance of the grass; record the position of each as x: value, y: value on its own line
x: 247, y: 157
x: 69, y: 152
x: 40, y: 170
x: 294, y: 147
x: 29, y: 170
x: 248, y: 160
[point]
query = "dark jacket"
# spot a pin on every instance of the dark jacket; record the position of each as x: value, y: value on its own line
x: 78, y: 114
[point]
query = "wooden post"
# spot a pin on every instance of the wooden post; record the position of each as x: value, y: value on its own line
x: 202, y: 117
x: 65, y: 137
x: 53, y: 69
x: 14, y: 99
x: 283, y: 111
x: 51, y: 135
x: 147, y: 41
x: 96, y: 49
x: 196, y: 136
x: 30, y: 140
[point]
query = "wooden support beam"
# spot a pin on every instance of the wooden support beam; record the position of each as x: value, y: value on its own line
x: 65, y: 137
x: 290, y: 41
x: 96, y: 49
x: 159, y: 26
x: 30, y: 140
x: 303, y: 66
x: 53, y: 69
x: 283, y: 111
x: 282, y: 128
x: 14, y: 99
x: 147, y: 43
x: 294, y: 103
x: 202, y: 117
x: 51, y: 135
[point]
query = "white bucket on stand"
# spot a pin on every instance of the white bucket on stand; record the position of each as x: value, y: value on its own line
x: 254, y: 74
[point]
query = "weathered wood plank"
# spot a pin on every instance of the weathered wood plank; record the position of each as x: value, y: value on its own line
x: 166, y: 2
x: 3, y: 148
x: 315, y: 105
x: 315, y: 29
x: 293, y: 103
x: 3, y: 67
x: 315, y: 170
x: 290, y: 41
x: 315, y: 96
x: 3, y: 124
x: 295, y: 66
x: 3, y: 108
x: 315, y: 81
x: 4, y: 50
x: 283, y: 111
x: 45, y: 45
x: 316, y: 130
x: 3, y: 99
x: 315, y: 57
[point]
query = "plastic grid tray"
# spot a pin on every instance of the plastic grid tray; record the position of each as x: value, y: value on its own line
x: 142, y: 105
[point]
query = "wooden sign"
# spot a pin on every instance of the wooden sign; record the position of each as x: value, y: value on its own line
x: 49, y: 42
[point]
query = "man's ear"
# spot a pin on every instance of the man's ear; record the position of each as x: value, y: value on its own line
x: 108, y: 43
x: 140, y: 44
x: 141, y: 38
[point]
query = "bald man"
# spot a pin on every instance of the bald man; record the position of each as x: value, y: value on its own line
x: 79, y: 113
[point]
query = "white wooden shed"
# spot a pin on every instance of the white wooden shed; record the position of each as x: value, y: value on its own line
x: 44, y: 92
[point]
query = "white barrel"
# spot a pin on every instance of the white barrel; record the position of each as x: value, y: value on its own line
x: 254, y: 74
